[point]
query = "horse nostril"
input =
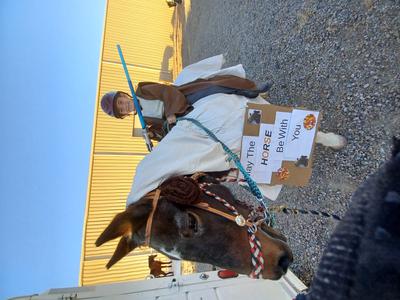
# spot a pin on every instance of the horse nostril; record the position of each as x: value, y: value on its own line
x: 284, y: 263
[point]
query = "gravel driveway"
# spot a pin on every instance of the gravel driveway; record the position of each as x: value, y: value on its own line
x: 340, y: 58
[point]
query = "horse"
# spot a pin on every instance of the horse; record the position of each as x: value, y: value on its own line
x: 196, y: 218
x: 156, y: 267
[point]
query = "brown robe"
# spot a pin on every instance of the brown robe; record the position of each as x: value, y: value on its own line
x: 174, y: 97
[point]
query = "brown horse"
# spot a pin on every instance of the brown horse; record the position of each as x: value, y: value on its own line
x: 179, y: 227
x: 156, y: 267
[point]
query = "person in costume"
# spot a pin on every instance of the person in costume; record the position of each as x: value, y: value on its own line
x: 162, y: 103
x: 216, y: 97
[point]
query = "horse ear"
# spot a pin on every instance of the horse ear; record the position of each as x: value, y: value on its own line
x: 126, y: 244
x: 127, y: 222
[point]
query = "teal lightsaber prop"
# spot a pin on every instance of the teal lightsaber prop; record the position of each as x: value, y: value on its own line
x: 145, y: 134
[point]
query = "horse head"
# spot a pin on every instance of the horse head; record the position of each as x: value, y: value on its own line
x: 181, y: 229
x: 151, y: 258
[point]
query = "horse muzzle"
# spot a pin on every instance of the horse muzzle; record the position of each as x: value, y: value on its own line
x: 277, y: 256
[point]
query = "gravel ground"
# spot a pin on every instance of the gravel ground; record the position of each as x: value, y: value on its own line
x: 340, y: 58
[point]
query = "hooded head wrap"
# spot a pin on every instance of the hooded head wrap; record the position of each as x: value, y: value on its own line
x: 107, y: 103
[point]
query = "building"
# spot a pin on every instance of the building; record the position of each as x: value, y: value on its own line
x: 145, y: 32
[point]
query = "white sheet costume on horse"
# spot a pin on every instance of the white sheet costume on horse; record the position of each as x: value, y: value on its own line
x: 187, y: 149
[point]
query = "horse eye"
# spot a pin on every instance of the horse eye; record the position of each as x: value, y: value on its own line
x: 193, y: 224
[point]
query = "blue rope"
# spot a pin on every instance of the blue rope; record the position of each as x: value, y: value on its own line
x: 232, y: 156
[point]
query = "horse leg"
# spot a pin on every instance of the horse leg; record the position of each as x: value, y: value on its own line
x: 155, y: 273
x: 331, y: 140
x: 167, y: 266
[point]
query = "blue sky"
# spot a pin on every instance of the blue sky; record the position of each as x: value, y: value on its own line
x: 49, y: 59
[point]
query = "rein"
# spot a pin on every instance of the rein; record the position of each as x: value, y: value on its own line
x: 268, y: 216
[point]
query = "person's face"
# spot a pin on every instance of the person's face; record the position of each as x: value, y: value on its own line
x: 124, y: 105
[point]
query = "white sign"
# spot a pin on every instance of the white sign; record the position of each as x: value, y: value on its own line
x: 301, y: 134
x: 290, y: 138
x: 255, y: 155
x: 280, y: 134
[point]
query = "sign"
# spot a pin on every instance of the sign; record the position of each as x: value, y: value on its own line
x: 277, y: 144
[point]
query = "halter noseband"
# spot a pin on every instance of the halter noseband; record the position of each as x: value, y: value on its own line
x: 255, y: 245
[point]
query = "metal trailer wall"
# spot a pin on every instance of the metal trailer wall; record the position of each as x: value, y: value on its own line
x: 145, y: 31
x: 193, y: 287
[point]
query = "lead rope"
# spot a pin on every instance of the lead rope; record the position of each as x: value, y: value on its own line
x: 295, y: 211
x: 269, y: 217
x: 283, y: 208
x: 257, y: 259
